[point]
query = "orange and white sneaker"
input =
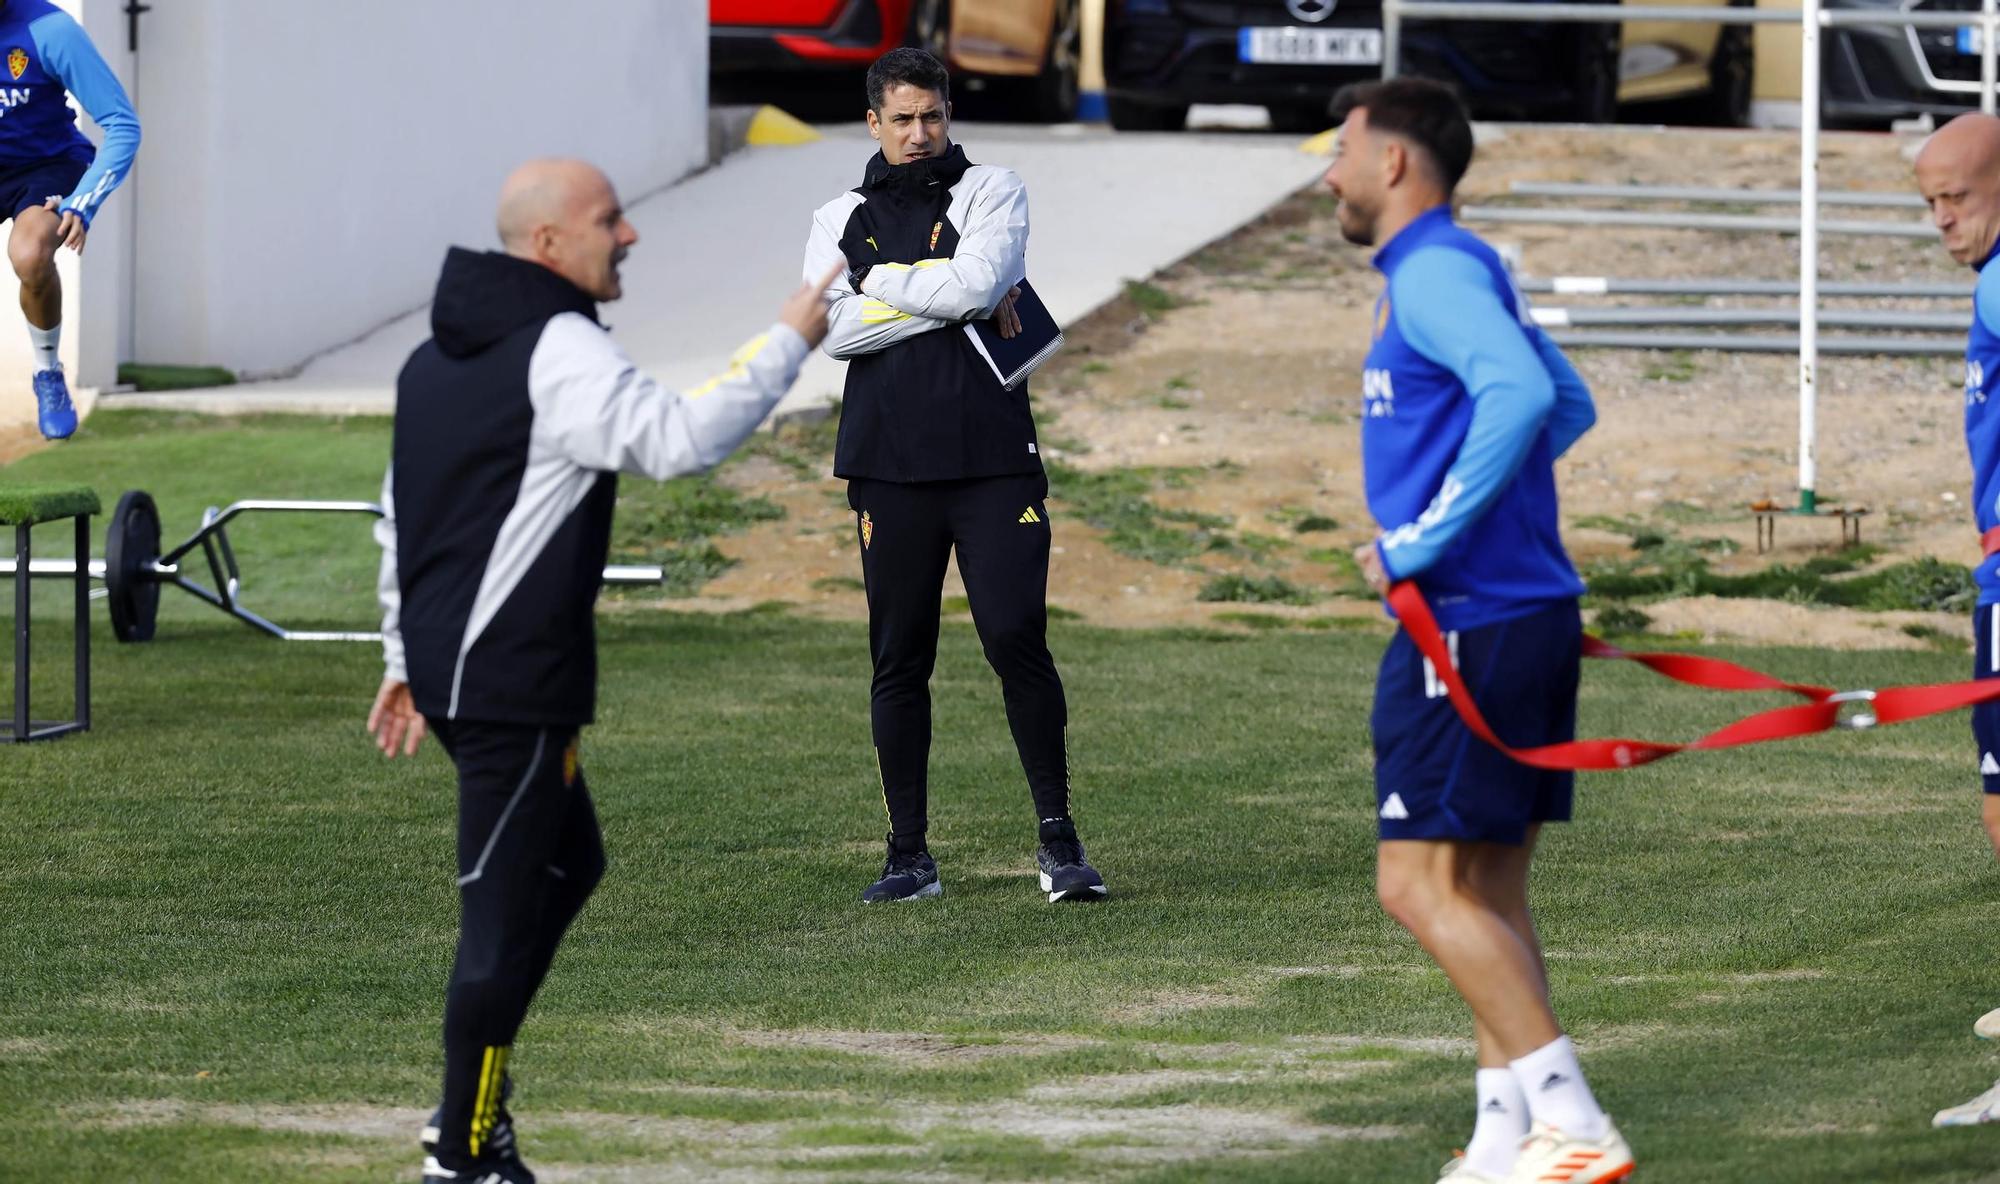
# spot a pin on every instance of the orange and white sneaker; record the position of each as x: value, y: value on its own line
x: 1458, y: 1171
x: 1988, y: 1025
x: 1548, y: 1156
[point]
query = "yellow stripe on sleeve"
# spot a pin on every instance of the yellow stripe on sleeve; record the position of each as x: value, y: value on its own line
x: 739, y: 365
x: 874, y: 312
x: 919, y: 265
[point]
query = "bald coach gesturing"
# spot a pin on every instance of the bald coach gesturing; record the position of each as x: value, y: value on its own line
x: 512, y: 423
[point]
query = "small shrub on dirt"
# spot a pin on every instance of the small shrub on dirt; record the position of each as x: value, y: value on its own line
x: 1621, y: 618
x: 1262, y: 547
x: 1949, y: 642
x: 688, y: 569
x: 1117, y: 502
x: 670, y: 523
x: 1254, y: 620
x: 1921, y: 585
x: 1344, y: 623
x: 1675, y: 367
x: 1255, y: 590
x: 1152, y: 301
x: 651, y: 514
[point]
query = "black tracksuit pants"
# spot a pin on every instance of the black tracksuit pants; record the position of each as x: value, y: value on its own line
x: 1000, y: 528
x: 529, y: 855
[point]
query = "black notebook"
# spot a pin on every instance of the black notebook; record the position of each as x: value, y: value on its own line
x: 1014, y: 359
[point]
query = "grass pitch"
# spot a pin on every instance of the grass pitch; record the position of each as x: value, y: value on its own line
x: 228, y: 922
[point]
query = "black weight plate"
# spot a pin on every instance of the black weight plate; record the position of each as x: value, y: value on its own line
x: 131, y: 547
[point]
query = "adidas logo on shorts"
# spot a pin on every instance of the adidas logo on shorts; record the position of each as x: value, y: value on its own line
x: 1988, y: 766
x: 1394, y: 809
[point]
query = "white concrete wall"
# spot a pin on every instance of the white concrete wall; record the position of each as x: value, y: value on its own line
x: 306, y: 164
x: 97, y: 302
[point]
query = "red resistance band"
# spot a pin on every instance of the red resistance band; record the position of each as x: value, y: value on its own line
x: 1819, y: 713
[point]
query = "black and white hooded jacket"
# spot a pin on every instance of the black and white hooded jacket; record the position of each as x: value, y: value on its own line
x: 512, y: 424
x: 943, y: 239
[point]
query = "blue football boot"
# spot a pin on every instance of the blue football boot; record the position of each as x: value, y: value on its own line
x: 52, y: 397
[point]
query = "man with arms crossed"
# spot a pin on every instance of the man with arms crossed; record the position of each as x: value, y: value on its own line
x: 1958, y: 172
x: 939, y: 456
x: 1466, y: 407
x: 512, y: 424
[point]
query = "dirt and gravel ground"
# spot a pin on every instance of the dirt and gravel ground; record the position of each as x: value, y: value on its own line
x: 1240, y: 367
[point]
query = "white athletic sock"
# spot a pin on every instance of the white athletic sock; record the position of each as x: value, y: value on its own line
x: 1557, y: 1093
x: 1503, y: 1120
x: 46, y: 341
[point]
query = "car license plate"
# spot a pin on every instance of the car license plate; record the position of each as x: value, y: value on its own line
x: 1969, y: 39
x: 1293, y: 45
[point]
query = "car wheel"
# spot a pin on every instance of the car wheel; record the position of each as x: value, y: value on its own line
x: 1128, y: 116
x: 1594, y: 89
x: 1303, y: 119
x: 1732, y: 78
x: 1052, y: 94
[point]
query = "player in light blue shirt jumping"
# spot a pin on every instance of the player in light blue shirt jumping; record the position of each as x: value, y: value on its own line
x: 52, y: 181
x: 1466, y: 406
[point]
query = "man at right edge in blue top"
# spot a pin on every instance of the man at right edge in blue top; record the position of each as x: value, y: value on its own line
x: 1466, y: 406
x: 1958, y: 172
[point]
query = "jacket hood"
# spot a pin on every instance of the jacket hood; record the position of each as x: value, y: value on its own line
x: 482, y: 296
x: 917, y: 175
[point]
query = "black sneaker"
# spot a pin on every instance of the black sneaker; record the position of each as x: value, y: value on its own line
x: 908, y: 875
x: 489, y: 1171
x: 500, y: 1146
x: 1065, y: 876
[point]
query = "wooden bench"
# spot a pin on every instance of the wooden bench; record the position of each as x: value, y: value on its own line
x: 1768, y: 515
x: 23, y: 507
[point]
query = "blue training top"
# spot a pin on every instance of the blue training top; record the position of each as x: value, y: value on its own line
x: 1466, y: 406
x: 45, y: 54
x: 1982, y: 420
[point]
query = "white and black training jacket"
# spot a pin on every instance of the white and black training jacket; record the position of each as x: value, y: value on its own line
x: 943, y: 240
x: 512, y: 424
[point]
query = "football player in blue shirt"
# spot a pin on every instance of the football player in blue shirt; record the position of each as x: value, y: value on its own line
x: 1958, y: 172
x: 1466, y: 406
x: 52, y: 182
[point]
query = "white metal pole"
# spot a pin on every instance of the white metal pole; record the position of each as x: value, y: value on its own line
x: 1392, y: 37
x: 1986, y: 55
x: 1809, y: 246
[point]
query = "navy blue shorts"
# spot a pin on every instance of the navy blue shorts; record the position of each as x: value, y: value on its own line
x: 1986, y: 716
x: 25, y: 186
x: 1434, y: 779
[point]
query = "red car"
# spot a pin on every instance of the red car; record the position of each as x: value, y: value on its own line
x: 1026, y: 52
